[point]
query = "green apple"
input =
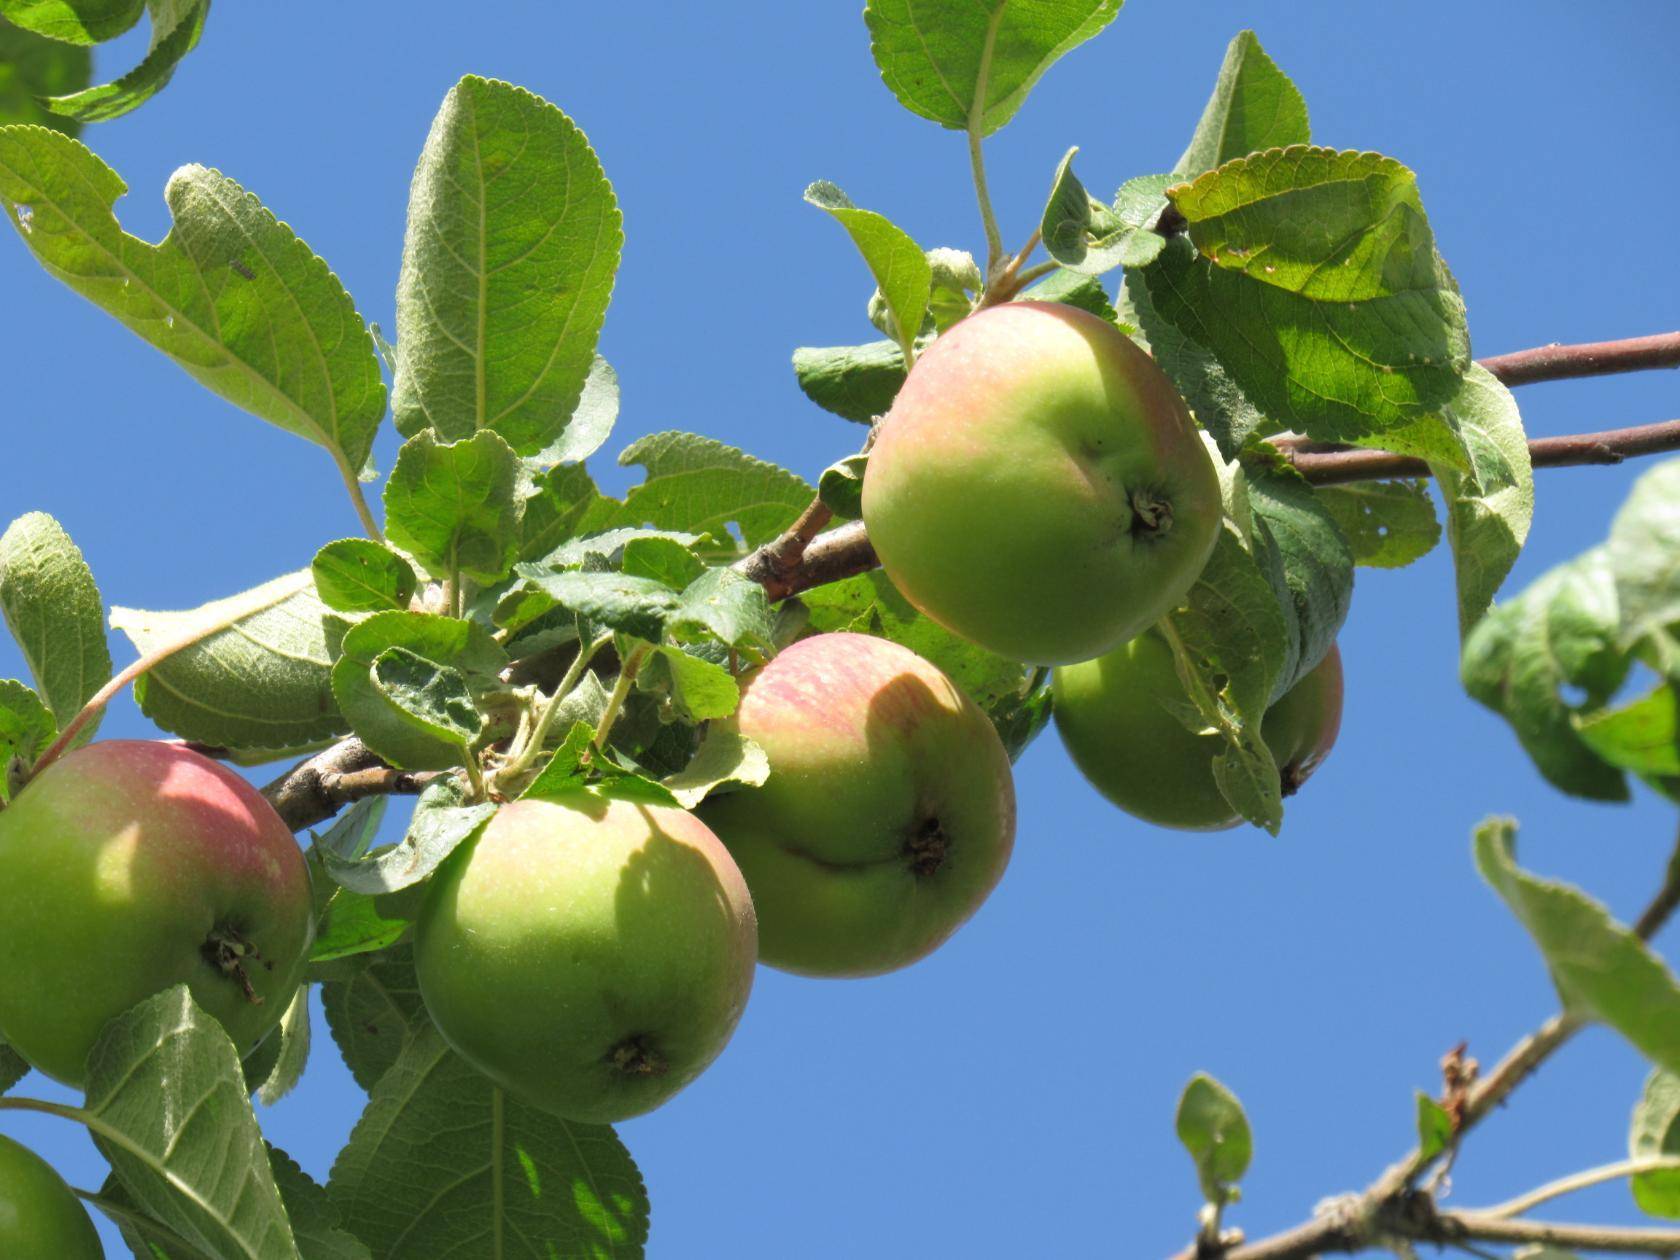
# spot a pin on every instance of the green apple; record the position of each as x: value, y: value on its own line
x: 1039, y: 487
x: 40, y: 1219
x: 1114, y: 717
x: 889, y: 813
x: 590, y: 956
x: 129, y: 866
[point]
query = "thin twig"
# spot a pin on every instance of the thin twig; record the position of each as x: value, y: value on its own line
x: 1589, y: 358
x: 1614, y: 1238
x: 318, y: 787
x: 1583, y: 1180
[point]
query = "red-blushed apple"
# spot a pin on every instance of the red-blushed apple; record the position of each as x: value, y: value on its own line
x: 129, y: 866
x: 889, y: 813
x: 1039, y: 487
x: 1114, y: 718
x: 590, y: 956
x: 40, y: 1219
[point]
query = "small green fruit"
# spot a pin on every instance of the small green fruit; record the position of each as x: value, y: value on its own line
x: 889, y: 813
x: 1114, y: 718
x: 40, y: 1219
x: 592, y: 957
x: 1039, y: 487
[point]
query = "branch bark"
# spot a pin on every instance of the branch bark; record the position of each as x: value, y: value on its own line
x: 1590, y: 358
x: 318, y: 787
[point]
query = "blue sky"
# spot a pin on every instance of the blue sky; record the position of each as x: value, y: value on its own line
x: 1013, y: 1095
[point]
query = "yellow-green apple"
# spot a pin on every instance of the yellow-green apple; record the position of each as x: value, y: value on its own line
x: 888, y: 815
x: 590, y: 956
x: 129, y: 866
x: 1038, y: 486
x: 40, y: 1219
x: 1114, y: 715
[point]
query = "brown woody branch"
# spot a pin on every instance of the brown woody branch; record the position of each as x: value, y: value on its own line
x: 318, y: 787
x: 1589, y: 358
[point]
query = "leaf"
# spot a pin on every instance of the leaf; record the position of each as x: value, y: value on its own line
x: 854, y: 382
x: 1527, y: 656
x: 901, y: 269
x: 1022, y: 717
x: 1388, y: 524
x: 568, y: 769
x: 636, y: 606
x: 729, y: 607
x: 701, y: 690
x: 293, y: 1036
x: 1316, y: 561
x: 358, y: 575
x: 1254, y: 106
x: 370, y: 1012
x: 564, y: 502
x: 591, y: 421
x: 723, y: 757
x: 350, y: 923
x: 80, y: 22
x: 1602, y: 971
x: 32, y: 66
x: 53, y: 609
x: 443, y: 1163
x: 231, y: 294
x: 448, y: 642
x: 1213, y: 1128
x: 1490, y: 507
x: 440, y: 826
x: 1434, y: 1127
x: 954, y: 61
x: 611, y: 546
x: 176, y: 27
x: 513, y: 241
x: 26, y: 729
x: 320, y: 1232
x: 166, y: 1105
x: 1655, y: 1132
x: 841, y: 487
x: 435, y: 698
x: 1086, y: 236
x: 452, y: 505
x: 1073, y: 289
x: 257, y: 677
x: 13, y: 1068
x: 1642, y: 736
x: 1644, y: 541
x: 664, y: 559
x: 698, y: 484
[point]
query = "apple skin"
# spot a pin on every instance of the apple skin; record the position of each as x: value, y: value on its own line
x: 590, y: 956
x: 1111, y: 716
x: 889, y: 813
x: 40, y: 1219
x: 129, y: 866
x: 1038, y: 486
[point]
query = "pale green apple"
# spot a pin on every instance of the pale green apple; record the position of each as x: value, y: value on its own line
x: 1113, y: 717
x: 1039, y: 486
x: 129, y: 866
x: 889, y: 813
x: 40, y: 1219
x: 592, y: 957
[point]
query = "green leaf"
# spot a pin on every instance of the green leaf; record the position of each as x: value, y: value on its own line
x: 1073, y: 289
x: 1490, y: 506
x: 1602, y: 971
x: 441, y: 824
x: 176, y: 26
x: 591, y: 421
x: 370, y: 1012
x: 167, y: 1106
x: 1086, y: 236
x: 957, y: 284
x: 729, y: 607
x: 636, y: 606
x: 464, y: 646
x: 1642, y: 736
x: 350, y: 923
x: 699, y: 484
x: 1316, y: 562
x: 13, y: 1068
x: 901, y: 269
x: 320, y: 1231
x: 854, y: 382
x: 231, y: 294
x: 1527, y: 655
x: 435, y: 698
x: 1644, y: 542
x: 453, y: 507
x: 963, y: 62
x: 80, y: 22
x: 32, y: 66
x: 611, y: 546
x: 1655, y: 1132
x: 723, y: 757
x: 700, y: 689
x: 358, y: 575
x: 664, y: 559
x: 293, y: 1037
x: 257, y: 676
x: 443, y: 1163
x: 841, y: 487
x: 1434, y: 1127
x: 568, y: 769
x: 564, y: 502
x: 1388, y: 524
x: 26, y: 730
x: 1022, y: 717
x: 53, y: 609
x: 1213, y: 1128
x: 513, y: 241
x: 1254, y: 106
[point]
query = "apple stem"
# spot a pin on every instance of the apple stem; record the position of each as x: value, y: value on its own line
x: 522, y: 757
x: 620, y: 692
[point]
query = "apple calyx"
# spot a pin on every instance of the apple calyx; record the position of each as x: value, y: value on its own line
x: 634, y: 1056
x: 1152, y: 516
x: 924, y: 848
x: 226, y: 950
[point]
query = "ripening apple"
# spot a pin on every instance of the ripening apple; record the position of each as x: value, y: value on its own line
x: 889, y: 813
x: 1038, y: 486
x: 129, y: 866
x: 1113, y: 717
x: 590, y: 956
x: 40, y: 1219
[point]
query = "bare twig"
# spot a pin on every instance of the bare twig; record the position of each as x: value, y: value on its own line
x: 1589, y: 358
x: 318, y: 787
x: 1583, y: 1180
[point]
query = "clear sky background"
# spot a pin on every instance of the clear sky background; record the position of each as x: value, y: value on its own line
x: 1013, y: 1095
